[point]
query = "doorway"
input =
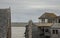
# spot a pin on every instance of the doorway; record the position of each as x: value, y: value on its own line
x: 47, y: 36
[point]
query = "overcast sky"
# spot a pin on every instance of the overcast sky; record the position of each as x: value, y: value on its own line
x: 24, y: 10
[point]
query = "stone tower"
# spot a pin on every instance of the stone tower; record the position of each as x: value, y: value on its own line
x: 5, y: 23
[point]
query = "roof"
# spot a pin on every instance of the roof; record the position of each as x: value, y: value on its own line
x: 45, y: 24
x: 48, y: 15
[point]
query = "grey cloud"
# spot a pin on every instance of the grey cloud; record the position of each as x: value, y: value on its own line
x: 32, y: 14
x: 23, y: 10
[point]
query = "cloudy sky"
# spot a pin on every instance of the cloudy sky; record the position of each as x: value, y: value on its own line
x: 24, y: 10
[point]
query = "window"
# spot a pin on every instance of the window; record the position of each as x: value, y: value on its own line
x: 46, y: 20
x: 55, y: 31
x: 50, y: 20
x: 43, y: 20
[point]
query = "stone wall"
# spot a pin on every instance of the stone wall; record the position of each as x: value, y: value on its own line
x: 5, y: 23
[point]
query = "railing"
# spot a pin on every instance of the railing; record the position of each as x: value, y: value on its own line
x: 45, y: 24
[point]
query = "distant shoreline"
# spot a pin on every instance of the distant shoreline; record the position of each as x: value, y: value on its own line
x: 19, y: 24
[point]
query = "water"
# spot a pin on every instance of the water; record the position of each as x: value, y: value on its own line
x: 18, y: 32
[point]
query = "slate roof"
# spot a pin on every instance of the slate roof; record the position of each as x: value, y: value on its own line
x: 48, y: 15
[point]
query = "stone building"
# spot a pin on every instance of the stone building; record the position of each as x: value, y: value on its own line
x: 48, y: 22
x: 48, y: 27
x: 5, y: 23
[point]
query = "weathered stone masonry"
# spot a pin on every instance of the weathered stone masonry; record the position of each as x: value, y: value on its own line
x: 5, y: 23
